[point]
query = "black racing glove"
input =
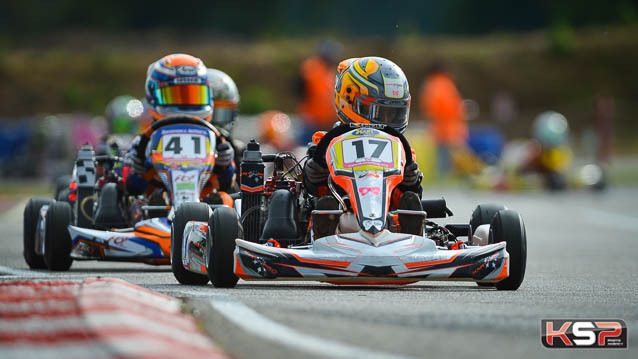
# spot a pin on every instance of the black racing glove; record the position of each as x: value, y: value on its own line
x: 315, y: 173
x: 411, y: 175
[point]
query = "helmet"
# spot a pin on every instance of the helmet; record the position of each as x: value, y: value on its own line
x: 226, y: 99
x: 122, y: 114
x: 372, y: 90
x: 274, y: 129
x: 178, y: 84
x: 550, y: 129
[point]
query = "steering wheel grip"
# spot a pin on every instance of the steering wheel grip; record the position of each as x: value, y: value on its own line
x: 320, y: 153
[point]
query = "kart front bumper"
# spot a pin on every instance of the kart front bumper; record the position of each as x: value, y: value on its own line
x: 351, y: 259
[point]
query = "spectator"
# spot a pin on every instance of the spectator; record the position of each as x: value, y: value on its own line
x: 316, y: 86
x: 442, y: 106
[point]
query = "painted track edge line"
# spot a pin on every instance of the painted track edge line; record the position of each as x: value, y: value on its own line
x: 251, y: 321
x: 20, y: 272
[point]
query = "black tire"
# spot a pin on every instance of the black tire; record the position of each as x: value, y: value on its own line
x: 57, y: 240
x: 483, y: 214
x: 192, y: 211
x: 224, y: 229
x: 31, y: 214
x: 508, y: 226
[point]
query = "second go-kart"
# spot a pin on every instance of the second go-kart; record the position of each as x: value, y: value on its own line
x: 365, y: 165
x: 100, y: 224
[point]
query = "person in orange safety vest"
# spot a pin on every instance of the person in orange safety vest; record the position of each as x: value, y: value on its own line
x: 442, y: 106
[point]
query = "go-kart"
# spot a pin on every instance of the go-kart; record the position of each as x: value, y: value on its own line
x: 99, y: 224
x: 365, y: 165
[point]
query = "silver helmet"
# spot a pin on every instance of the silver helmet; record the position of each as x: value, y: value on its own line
x: 225, y: 98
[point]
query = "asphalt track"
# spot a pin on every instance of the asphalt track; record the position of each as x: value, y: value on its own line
x: 582, y: 263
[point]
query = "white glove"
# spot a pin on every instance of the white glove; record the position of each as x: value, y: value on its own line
x: 225, y: 154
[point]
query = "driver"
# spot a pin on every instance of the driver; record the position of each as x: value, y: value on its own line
x: 178, y: 84
x: 226, y: 103
x: 369, y: 90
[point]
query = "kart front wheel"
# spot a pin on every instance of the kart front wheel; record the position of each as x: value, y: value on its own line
x: 508, y: 226
x: 483, y: 214
x: 30, y: 222
x: 190, y: 211
x: 57, y: 240
x: 224, y: 229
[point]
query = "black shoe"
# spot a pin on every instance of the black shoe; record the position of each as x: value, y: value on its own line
x: 324, y: 225
x: 411, y: 223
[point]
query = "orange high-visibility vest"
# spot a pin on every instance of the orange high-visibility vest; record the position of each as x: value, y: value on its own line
x: 318, y: 107
x: 442, y: 104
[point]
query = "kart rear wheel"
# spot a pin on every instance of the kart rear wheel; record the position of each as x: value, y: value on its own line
x: 57, y: 240
x: 508, y: 226
x: 224, y: 229
x: 483, y: 214
x: 30, y: 221
x: 191, y: 211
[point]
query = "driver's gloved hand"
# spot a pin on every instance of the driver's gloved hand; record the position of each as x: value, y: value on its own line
x: 134, y: 157
x: 225, y: 154
x: 315, y: 173
x: 411, y: 175
x: 134, y: 161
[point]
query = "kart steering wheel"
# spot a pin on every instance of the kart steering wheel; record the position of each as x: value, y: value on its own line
x: 320, y: 153
x: 175, y: 119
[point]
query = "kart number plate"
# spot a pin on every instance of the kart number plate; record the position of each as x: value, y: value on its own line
x: 184, y: 146
x: 368, y: 151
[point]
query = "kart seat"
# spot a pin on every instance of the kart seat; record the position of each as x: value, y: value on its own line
x: 109, y: 214
x: 280, y: 224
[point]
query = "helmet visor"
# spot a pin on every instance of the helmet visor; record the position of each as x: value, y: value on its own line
x: 224, y: 117
x: 395, y: 116
x: 183, y: 95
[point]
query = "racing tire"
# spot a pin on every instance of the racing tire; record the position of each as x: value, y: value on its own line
x: 57, y: 240
x: 190, y: 211
x: 30, y: 222
x: 224, y: 229
x: 483, y: 214
x: 507, y: 226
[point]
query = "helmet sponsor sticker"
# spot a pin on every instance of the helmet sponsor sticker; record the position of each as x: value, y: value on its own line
x: 393, y: 87
x: 187, y: 71
x: 187, y: 80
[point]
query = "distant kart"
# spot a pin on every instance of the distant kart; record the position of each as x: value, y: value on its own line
x: 365, y: 165
x: 96, y: 225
